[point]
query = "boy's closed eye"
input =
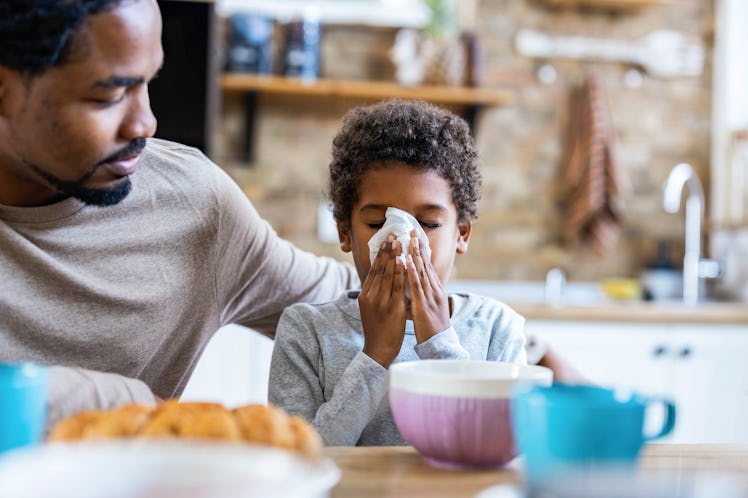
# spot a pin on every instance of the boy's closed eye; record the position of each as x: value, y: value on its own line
x: 429, y: 226
x: 424, y: 224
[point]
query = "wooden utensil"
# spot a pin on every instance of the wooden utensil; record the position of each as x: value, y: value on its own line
x: 662, y: 53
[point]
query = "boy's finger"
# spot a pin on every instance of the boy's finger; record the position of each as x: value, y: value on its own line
x: 414, y: 281
x: 386, y: 269
x: 420, y: 264
x: 396, y: 264
x: 398, y: 282
x: 430, y: 278
x: 372, y: 278
x: 389, y: 267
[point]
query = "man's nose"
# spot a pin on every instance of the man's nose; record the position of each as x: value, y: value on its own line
x: 139, y: 121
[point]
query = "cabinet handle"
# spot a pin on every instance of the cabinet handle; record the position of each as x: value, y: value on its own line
x: 659, y: 351
x: 685, y: 352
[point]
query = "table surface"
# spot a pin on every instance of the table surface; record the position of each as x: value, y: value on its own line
x: 401, y: 472
x: 638, y: 311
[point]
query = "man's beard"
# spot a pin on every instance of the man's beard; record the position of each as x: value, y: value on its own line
x: 95, y: 196
x: 91, y: 196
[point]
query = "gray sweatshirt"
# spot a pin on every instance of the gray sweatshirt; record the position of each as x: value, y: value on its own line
x: 319, y: 370
x: 126, y: 297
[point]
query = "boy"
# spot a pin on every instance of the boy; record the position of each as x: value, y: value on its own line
x: 330, y: 361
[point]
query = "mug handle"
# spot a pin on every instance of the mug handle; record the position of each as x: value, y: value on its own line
x: 668, y: 423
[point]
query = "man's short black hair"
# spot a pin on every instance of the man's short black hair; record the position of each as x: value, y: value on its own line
x: 37, y: 34
x: 412, y: 132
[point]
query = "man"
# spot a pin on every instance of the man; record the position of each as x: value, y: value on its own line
x: 120, y: 255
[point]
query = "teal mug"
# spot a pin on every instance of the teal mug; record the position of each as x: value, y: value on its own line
x: 23, y: 404
x: 563, y: 429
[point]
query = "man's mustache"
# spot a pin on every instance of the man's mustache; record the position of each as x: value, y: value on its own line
x: 133, y: 148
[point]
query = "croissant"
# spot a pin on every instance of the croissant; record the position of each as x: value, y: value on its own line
x: 258, y: 424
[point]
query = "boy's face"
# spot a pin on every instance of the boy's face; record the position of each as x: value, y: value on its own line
x: 425, y: 195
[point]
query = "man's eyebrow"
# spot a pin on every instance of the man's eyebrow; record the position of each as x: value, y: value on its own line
x: 115, y: 81
x: 119, y: 82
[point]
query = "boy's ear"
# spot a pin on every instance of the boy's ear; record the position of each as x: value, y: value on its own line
x: 344, y: 235
x: 463, y: 238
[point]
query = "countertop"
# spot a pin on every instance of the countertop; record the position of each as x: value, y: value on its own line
x: 638, y: 312
x: 383, y: 472
x: 586, y: 301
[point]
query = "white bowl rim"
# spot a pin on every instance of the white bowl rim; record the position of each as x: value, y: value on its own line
x: 465, y: 378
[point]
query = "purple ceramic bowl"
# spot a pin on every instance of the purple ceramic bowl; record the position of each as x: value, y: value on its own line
x: 456, y: 413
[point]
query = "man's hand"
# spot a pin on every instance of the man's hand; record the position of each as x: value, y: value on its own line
x: 429, y: 303
x: 73, y: 390
x: 382, y: 304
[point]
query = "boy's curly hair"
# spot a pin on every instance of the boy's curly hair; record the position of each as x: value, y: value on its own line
x: 418, y: 134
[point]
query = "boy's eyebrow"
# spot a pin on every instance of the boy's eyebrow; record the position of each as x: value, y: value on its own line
x: 421, y: 208
x: 373, y: 207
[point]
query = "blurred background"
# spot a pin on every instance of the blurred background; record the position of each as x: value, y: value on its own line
x: 662, y: 71
x: 582, y: 110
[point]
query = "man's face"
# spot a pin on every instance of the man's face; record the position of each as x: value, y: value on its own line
x: 78, y: 129
x: 425, y: 195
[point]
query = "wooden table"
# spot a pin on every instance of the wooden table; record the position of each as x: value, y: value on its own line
x: 383, y: 472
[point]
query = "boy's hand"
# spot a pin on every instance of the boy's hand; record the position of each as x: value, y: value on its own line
x: 382, y: 304
x: 429, y: 303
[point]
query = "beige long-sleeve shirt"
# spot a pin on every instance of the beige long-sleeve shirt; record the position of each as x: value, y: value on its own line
x: 138, y: 289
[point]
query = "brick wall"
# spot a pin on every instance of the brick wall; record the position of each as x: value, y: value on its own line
x: 517, y: 236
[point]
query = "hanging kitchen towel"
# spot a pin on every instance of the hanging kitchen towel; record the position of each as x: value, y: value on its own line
x: 592, y: 183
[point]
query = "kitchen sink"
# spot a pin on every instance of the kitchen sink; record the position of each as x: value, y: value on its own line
x: 568, y: 293
x: 572, y: 293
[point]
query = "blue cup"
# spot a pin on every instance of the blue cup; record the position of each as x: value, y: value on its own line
x: 23, y: 404
x: 567, y: 429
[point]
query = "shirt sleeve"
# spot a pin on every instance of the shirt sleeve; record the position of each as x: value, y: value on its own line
x: 72, y: 390
x: 442, y: 346
x: 295, y: 384
x: 508, y: 337
x: 258, y: 274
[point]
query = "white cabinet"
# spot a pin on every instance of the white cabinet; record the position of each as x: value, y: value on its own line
x: 711, y: 370
x: 703, y: 368
x: 233, y: 369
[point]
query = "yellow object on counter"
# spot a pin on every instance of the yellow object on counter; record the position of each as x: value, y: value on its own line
x: 622, y: 289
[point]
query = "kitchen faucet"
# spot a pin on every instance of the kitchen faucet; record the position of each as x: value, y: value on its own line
x: 555, y: 282
x: 694, y: 267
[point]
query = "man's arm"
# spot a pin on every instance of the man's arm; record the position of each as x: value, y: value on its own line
x: 72, y: 390
x: 563, y: 370
x: 259, y: 274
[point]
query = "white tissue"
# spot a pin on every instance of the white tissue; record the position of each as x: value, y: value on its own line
x: 398, y: 223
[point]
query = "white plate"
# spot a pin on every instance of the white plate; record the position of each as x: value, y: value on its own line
x: 161, y: 469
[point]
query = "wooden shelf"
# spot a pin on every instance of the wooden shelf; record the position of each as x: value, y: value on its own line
x: 470, y: 99
x: 373, y: 90
x: 606, y: 4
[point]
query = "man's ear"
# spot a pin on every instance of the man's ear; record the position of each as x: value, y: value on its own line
x: 8, y: 78
x: 3, y: 89
x: 344, y: 235
x: 463, y: 238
